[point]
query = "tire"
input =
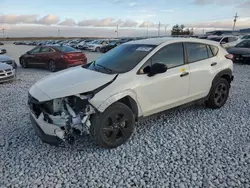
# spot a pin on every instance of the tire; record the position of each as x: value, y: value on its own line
x: 219, y: 94
x: 52, y: 66
x: 23, y: 63
x: 113, y: 127
x: 97, y: 49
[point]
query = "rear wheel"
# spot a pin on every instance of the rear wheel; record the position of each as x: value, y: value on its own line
x: 23, y: 63
x: 219, y: 94
x: 114, y: 126
x: 52, y: 66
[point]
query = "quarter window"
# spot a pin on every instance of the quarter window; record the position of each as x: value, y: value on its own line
x: 214, y: 50
x: 196, y: 52
x: 171, y: 55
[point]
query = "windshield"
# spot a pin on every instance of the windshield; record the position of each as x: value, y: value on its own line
x: 215, y: 39
x: 66, y: 49
x: 122, y: 58
x: 246, y: 37
x: 243, y: 44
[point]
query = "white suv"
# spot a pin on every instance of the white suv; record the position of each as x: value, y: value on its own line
x: 226, y: 41
x: 137, y: 79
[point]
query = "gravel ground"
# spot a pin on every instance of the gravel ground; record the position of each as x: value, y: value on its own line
x: 188, y: 147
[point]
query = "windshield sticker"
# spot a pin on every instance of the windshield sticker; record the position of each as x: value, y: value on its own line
x: 144, y: 49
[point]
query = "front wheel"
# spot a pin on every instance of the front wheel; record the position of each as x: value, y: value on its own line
x: 219, y: 94
x: 97, y: 49
x: 114, y: 126
x: 23, y: 63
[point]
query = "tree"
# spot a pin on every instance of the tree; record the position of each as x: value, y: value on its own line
x: 180, y: 30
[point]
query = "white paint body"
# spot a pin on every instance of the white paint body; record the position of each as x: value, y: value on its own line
x: 152, y: 94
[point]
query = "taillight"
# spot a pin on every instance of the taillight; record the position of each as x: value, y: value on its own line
x: 229, y: 56
x: 65, y: 56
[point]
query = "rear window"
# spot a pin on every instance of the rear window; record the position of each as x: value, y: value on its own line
x: 66, y: 49
x: 215, y: 39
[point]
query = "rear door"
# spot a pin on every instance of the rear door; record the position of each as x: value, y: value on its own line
x: 202, y: 64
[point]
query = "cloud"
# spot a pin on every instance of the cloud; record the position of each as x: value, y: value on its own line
x: 244, y: 5
x: 129, y: 23
x: 16, y: 19
x: 148, y: 24
x: 68, y: 22
x: 207, y: 2
x: 107, y: 22
x: 167, y: 10
x: 49, y: 20
x: 226, y: 24
x: 133, y: 4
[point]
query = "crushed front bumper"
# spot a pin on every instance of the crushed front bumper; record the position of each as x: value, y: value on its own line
x: 45, y: 131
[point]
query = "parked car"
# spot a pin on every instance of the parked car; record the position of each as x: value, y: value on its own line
x: 4, y: 59
x: 226, y: 41
x: 110, y: 46
x: 241, y: 52
x: 3, y: 51
x: 85, y: 46
x: 96, y: 46
x: 7, y: 73
x: 107, y: 96
x: 53, y: 57
x: 1, y: 43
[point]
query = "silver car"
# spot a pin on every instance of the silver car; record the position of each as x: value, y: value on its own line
x: 8, y: 60
x: 7, y: 73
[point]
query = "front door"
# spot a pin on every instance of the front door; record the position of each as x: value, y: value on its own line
x: 166, y: 90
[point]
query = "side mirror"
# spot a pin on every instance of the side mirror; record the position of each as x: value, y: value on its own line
x: 156, y: 68
x: 28, y: 52
x: 223, y: 42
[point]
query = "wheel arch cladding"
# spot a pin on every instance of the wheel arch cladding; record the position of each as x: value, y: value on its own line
x: 130, y: 102
x: 226, y: 74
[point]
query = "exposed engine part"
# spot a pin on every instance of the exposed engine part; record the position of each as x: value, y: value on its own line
x: 68, y: 114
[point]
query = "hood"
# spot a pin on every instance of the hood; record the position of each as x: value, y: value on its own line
x: 5, y: 58
x: 239, y: 50
x: 4, y: 66
x: 72, y: 81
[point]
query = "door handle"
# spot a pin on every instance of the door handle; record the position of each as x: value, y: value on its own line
x: 213, y: 64
x: 184, y: 74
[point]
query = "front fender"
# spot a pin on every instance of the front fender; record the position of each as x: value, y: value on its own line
x: 116, y: 97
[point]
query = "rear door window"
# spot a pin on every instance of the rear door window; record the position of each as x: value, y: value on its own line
x: 196, y: 52
x: 232, y: 39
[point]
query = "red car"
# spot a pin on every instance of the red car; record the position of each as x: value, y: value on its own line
x: 53, y: 57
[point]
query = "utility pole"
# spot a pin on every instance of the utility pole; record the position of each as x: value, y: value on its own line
x: 116, y: 31
x: 159, y: 27
x: 3, y: 33
x: 147, y: 29
x: 235, y: 20
x: 166, y: 30
x: 58, y: 32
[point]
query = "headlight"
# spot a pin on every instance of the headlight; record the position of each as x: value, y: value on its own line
x: 246, y: 55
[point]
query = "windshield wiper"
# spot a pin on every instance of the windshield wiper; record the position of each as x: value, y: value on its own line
x: 105, y: 68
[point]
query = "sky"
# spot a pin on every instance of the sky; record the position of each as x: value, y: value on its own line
x: 100, y: 17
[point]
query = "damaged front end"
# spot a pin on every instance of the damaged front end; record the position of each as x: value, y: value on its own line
x: 59, y: 119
